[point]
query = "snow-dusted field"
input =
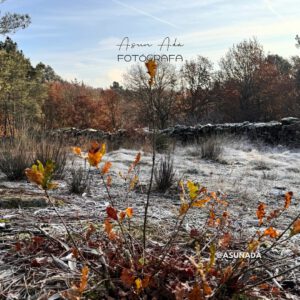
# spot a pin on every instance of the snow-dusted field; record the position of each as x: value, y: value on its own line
x: 246, y: 173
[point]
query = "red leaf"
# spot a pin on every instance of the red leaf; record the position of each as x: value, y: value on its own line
x: 112, y: 213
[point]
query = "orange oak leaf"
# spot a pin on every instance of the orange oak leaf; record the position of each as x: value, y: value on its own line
x: 273, y: 214
x: 129, y: 212
x: 127, y: 277
x: 42, y: 175
x: 106, y: 167
x: 260, y: 212
x: 195, y: 293
x: 109, y: 181
x: 34, y: 175
x: 135, y: 163
x: 151, y: 66
x: 201, y: 202
x: 122, y: 215
x: 206, y: 288
x: 108, y: 228
x: 77, y: 150
x: 95, y: 154
x: 271, y: 232
x: 212, y: 217
x: 183, y: 209
x: 288, y: 198
x: 296, y: 227
x: 226, y: 273
x: 83, y: 279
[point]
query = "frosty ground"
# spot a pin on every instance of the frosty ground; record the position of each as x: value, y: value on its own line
x: 246, y: 173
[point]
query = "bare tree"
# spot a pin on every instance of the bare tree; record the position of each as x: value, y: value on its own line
x: 197, y: 81
x: 240, y: 66
x: 163, y: 92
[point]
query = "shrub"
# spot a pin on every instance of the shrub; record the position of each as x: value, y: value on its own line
x: 164, y: 174
x: 162, y: 143
x: 55, y: 150
x: 79, y: 181
x: 15, y: 156
x: 28, y: 146
x: 209, y: 148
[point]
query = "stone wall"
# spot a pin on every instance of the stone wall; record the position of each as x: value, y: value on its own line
x: 285, y: 132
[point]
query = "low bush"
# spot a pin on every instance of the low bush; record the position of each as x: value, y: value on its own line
x: 164, y: 174
x: 211, y: 148
x: 79, y: 181
x: 163, y: 143
x: 55, y: 150
x: 15, y: 156
x: 27, y: 147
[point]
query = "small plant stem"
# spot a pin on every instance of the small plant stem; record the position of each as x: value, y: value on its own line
x: 152, y: 169
x: 64, y: 223
x: 107, y: 191
x: 130, y: 249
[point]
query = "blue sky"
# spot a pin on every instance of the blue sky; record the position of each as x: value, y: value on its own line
x: 79, y: 38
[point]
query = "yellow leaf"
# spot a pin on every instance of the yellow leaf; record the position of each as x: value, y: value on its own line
x: 212, y: 258
x: 40, y: 175
x: 182, y: 192
x: 252, y: 246
x: 133, y: 182
x: 138, y: 283
x: 193, y: 189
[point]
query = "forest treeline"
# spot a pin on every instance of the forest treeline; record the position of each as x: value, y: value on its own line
x: 247, y: 85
